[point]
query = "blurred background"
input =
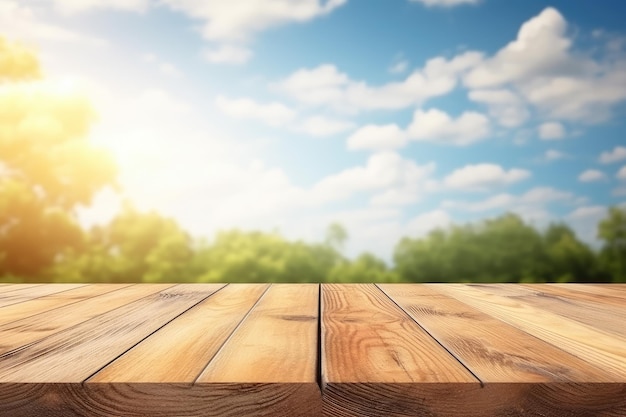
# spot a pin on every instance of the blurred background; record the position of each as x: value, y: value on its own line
x: 312, y: 141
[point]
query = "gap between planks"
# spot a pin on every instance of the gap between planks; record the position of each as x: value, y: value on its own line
x: 482, y: 384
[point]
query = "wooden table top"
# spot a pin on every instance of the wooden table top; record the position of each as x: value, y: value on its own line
x: 310, y: 350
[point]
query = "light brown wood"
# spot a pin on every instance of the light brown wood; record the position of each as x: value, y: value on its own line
x: 29, y: 293
x: 367, y: 338
x: 271, y: 357
x: 603, y: 350
x: 74, y: 354
x: 180, y: 351
x: 608, y: 317
x: 308, y: 350
x: 494, y: 351
x: 50, y: 302
x: 31, y: 329
x: 374, y: 355
x: 12, y: 287
x: 276, y: 343
x: 604, y: 297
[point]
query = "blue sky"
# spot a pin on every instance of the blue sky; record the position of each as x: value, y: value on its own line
x: 392, y: 117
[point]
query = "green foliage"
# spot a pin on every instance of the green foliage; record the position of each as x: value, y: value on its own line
x: 47, y: 168
x: 498, y: 250
x: 237, y: 256
x: 365, y: 268
x: 134, y: 247
x: 612, y: 231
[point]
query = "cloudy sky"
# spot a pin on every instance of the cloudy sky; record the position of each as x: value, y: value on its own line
x: 390, y: 116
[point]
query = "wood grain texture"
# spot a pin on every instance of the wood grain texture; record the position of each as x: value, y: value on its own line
x: 276, y: 343
x: 604, y: 297
x: 307, y: 350
x: 608, y: 317
x: 28, y: 293
x: 12, y: 287
x: 605, y: 351
x: 493, y: 350
x: 159, y: 400
x: 251, y: 349
x: 470, y: 400
x: 373, y: 354
x: 29, y: 330
x: 76, y: 353
x: 49, y: 302
x: 180, y: 351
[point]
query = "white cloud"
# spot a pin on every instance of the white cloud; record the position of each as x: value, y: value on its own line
x: 164, y: 67
x: 30, y: 22
x: 80, y: 6
x: 383, y: 171
x: 587, y: 211
x: 619, y: 191
x: 228, y: 54
x: 591, y: 175
x: 399, y: 67
x: 551, y: 131
x: 273, y: 114
x: 532, y: 201
x: 484, y: 177
x: 584, y: 221
x: 504, y: 105
x: 423, y: 223
x: 377, y: 137
x: 320, y: 126
x: 437, y: 126
x: 170, y: 69
x: 560, y: 83
x: 445, y: 3
x: 325, y: 85
x: 553, y: 155
x: 621, y: 174
x: 616, y: 155
x: 581, y: 99
x: 541, y: 47
x: 238, y: 20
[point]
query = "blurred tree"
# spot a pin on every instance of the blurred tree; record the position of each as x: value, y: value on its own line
x: 133, y: 247
x: 503, y: 249
x: 612, y: 231
x: 365, y: 268
x: 568, y: 259
x: 336, y: 236
x: 47, y: 166
x: 237, y: 256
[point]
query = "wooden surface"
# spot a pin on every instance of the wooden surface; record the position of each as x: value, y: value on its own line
x: 310, y: 350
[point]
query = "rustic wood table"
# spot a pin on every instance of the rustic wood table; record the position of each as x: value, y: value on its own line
x: 310, y: 350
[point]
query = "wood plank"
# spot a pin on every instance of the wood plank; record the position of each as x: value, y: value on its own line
x: 155, y: 400
x: 575, y: 305
x: 12, y: 287
x: 494, y: 351
x: 584, y: 292
x: 618, y: 290
x: 276, y: 343
x: 31, y: 329
x: 74, y: 354
x: 29, y: 293
x: 377, y: 361
x: 592, y: 345
x: 181, y: 350
x: 272, y: 356
x: 49, y: 302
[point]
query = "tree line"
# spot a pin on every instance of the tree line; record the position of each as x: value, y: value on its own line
x: 48, y: 167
